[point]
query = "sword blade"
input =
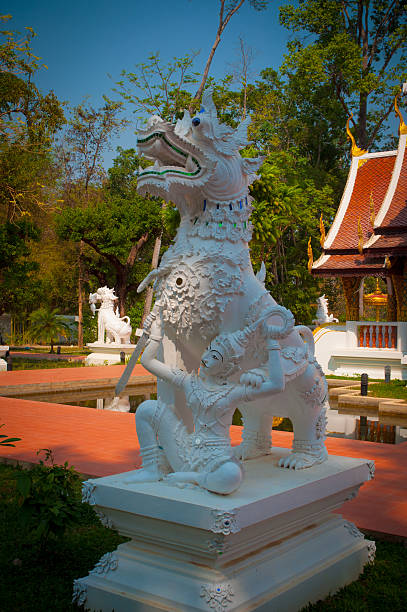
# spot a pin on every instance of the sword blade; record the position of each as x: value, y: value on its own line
x: 124, y: 378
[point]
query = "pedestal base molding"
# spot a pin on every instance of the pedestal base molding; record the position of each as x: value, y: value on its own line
x: 273, y: 545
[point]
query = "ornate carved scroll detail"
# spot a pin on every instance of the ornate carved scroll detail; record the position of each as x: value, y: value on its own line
x: 371, y: 551
x: 88, y: 488
x: 217, y: 545
x: 106, y: 564
x: 217, y: 596
x: 80, y: 592
x: 372, y: 468
x: 224, y: 522
x: 105, y: 520
x: 353, y: 530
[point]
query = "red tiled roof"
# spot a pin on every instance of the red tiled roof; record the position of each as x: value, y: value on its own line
x: 351, y: 265
x: 390, y: 244
x: 396, y: 216
x: 373, y: 177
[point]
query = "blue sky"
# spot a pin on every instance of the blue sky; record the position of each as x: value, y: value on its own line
x: 82, y: 41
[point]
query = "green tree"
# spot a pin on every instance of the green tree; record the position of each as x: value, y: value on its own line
x: 355, y: 59
x: 46, y: 325
x: 28, y: 122
x: 158, y: 88
x: 80, y: 158
x: 288, y: 204
x: 119, y: 229
x: 20, y: 288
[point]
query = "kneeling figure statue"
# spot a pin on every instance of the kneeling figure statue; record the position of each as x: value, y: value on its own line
x: 205, y: 456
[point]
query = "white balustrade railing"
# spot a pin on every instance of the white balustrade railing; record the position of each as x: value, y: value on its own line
x: 377, y: 335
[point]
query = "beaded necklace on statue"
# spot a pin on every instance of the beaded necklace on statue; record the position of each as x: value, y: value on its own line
x: 206, y: 396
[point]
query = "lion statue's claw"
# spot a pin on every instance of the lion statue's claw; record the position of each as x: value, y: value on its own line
x: 300, y: 461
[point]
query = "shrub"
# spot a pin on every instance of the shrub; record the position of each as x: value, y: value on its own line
x: 49, y: 498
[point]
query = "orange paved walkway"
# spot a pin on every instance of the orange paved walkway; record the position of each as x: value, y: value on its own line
x: 28, y: 377
x: 100, y: 442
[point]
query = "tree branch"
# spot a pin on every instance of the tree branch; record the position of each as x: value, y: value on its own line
x: 222, y: 25
x: 112, y: 258
x: 135, y: 249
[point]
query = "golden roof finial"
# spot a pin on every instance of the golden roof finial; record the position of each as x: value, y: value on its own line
x: 361, y: 240
x: 310, y: 256
x: 402, y: 126
x: 322, y: 230
x: 356, y: 151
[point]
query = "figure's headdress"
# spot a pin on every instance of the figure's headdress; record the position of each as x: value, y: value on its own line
x: 232, y: 346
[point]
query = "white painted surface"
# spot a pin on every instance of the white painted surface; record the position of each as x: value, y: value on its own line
x: 273, y: 545
x: 337, y: 350
x: 107, y: 354
x: 207, y: 294
x: 111, y: 327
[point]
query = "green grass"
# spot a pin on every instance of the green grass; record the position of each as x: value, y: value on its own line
x: 65, y: 350
x: 381, y: 587
x: 41, y: 581
x: 350, y: 378
x: 35, y: 581
x: 396, y: 389
x: 44, y: 364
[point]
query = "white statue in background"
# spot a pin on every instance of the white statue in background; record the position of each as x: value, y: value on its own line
x: 322, y: 315
x: 116, y: 329
x: 205, y: 288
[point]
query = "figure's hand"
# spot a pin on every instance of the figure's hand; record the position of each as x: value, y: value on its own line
x: 253, y: 378
x: 149, y: 321
x: 155, y: 329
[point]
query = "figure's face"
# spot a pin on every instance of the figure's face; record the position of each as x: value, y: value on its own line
x: 212, y: 362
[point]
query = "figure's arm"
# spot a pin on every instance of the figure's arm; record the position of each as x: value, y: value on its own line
x: 275, y: 382
x: 149, y: 361
x: 254, y: 387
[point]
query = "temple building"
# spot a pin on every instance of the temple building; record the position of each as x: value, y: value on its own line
x: 368, y: 237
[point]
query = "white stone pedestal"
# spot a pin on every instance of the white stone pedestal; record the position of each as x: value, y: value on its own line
x: 3, y: 362
x: 107, y: 354
x: 273, y: 546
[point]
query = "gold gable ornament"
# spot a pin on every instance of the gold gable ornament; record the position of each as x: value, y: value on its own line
x: 360, y: 235
x: 322, y: 230
x: 402, y: 126
x: 310, y: 256
x: 356, y: 151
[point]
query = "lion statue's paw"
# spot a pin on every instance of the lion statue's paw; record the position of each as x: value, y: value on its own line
x: 246, y: 451
x: 300, y: 461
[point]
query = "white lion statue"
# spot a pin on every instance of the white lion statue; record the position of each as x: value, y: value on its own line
x: 322, y: 315
x: 117, y: 329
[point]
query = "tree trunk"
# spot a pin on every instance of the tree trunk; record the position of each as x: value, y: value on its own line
x: 362, y: 123
x: 122, y: 291
x: 149, y: 291
x: 80, y: 296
